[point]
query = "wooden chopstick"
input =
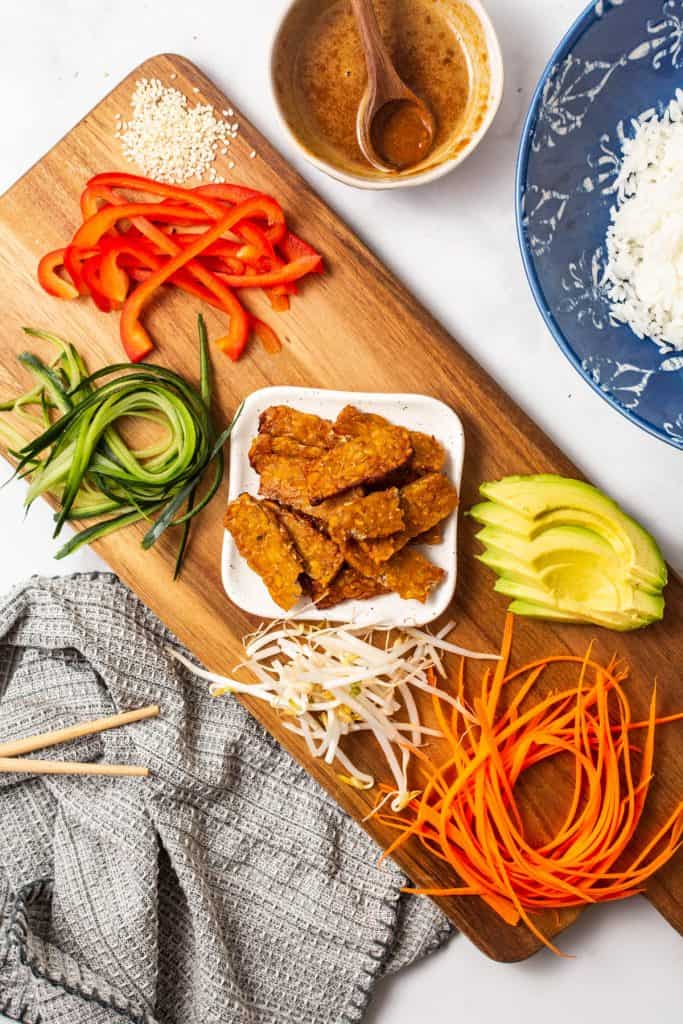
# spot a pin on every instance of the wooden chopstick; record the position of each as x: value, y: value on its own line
x: 75, y: 732
x: 26, y: 766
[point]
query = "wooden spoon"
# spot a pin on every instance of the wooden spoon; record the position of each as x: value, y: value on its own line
x: 387, y: 103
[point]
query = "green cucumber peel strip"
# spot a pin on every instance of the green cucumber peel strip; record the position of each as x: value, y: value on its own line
x: 50, y: 380
x: 82, y: 459
x: 204, y: 363
x: 97, y: 531
x: 167, y: 519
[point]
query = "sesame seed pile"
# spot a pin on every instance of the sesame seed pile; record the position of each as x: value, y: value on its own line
x: 169, y: 139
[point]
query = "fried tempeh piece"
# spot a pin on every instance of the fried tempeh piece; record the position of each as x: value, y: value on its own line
x: 377, y: 515
x: 411, y: 575
x: 327, y: 508
x: 351, y: 422
x: 408, y: 573
x: 269, y: 444
x: 267, y: 548
x: 321, y: 557
x: 433, y: 536
x: 348, y: 585
x: 428, y: 455
x: 281, y: 421
x: 425, y: 503
x: 284, y: 480
x: 358, y: 461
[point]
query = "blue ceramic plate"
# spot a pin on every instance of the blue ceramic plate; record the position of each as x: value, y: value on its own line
x: 620, y: 58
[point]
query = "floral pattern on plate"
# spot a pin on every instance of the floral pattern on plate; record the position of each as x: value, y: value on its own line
x: 621, y: 61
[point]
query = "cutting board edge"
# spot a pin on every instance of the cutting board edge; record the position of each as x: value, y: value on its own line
x: 428, y: 321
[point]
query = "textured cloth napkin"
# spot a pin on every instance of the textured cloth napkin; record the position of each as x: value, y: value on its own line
x: 228, y: 887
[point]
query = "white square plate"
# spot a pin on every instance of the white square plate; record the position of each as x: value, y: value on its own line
x: 415, y: 412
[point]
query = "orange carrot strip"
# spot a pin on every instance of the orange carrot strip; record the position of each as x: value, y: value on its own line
x: 467, y: 815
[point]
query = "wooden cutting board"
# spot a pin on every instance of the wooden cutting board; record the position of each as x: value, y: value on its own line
x: 356, y: 328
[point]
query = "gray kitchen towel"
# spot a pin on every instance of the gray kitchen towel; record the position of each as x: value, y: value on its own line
x: 228, y: 887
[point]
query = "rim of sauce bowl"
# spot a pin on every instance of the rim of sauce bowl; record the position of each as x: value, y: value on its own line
x: 372, y: 181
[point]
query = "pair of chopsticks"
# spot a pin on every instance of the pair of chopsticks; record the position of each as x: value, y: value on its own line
x: 12, y: 761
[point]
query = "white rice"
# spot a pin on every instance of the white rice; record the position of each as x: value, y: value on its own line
x: 644, y: 274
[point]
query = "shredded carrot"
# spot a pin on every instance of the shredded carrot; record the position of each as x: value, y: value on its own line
x: 467, y: 814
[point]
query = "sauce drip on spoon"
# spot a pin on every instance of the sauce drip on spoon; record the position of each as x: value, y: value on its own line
x: 400, y: 135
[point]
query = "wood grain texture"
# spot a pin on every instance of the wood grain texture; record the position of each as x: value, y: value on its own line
x: 356, y: 328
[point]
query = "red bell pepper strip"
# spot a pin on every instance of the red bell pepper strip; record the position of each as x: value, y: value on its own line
x: 217, y: 264
x: 96, y: 190
x: 96, y: 227
x: 259, y: 242
x: 88, y: 201
x: 126, y: 240
x: 73, y: 259
x: 202, y: 196
x: 253, y: 234
x: 181, y: 279
x: 266, y: 336
x: 90, y: 205
x: 228, y: 193
x: 250, y: 254
x: 91, y: 195
x: 137, y: 183
x: 114, y: 280
x: 138, y: 213
x: 100, y: 224
x: 278, y: 301
x: 51, y: 281
x: 90, y: 271
x: 257, y: 239
x: 269, y: 209
x: 135, y: 339
x: 93, y: 230
x: 206, y: 284
x: 289, y: 272
x: 224, y: 248
x: 292, y: 247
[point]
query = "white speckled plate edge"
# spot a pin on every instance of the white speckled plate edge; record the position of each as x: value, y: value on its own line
x: 415, y: 412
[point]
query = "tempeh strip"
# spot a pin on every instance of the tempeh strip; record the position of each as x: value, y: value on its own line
x: 428, y: 455
x: 425, y: 503
x: 377, y: 515
x: 267, y: 547
x: 348, y: 585
x: 284, y: 480
x: 269, y: 444
x: 356, y: 462
x: 408, y: 572
x: 321, y: 557
x: 281, y: 421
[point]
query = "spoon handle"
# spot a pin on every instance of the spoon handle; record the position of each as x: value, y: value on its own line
x: 377, y: 56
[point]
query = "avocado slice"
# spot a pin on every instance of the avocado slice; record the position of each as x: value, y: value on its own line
x: 489, y: 513
x: 615, y: 620
x: 642, y: 605
x: 560, y: 545
x: 563, y: 550
x: 530, y: 504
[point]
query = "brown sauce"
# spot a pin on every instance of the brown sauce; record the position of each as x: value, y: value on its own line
x: 319, y: 72
x: 399, y: 134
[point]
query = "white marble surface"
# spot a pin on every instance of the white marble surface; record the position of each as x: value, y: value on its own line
x: 454, y: 243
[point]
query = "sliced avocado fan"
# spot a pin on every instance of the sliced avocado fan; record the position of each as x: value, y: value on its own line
x: 565, y: 551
